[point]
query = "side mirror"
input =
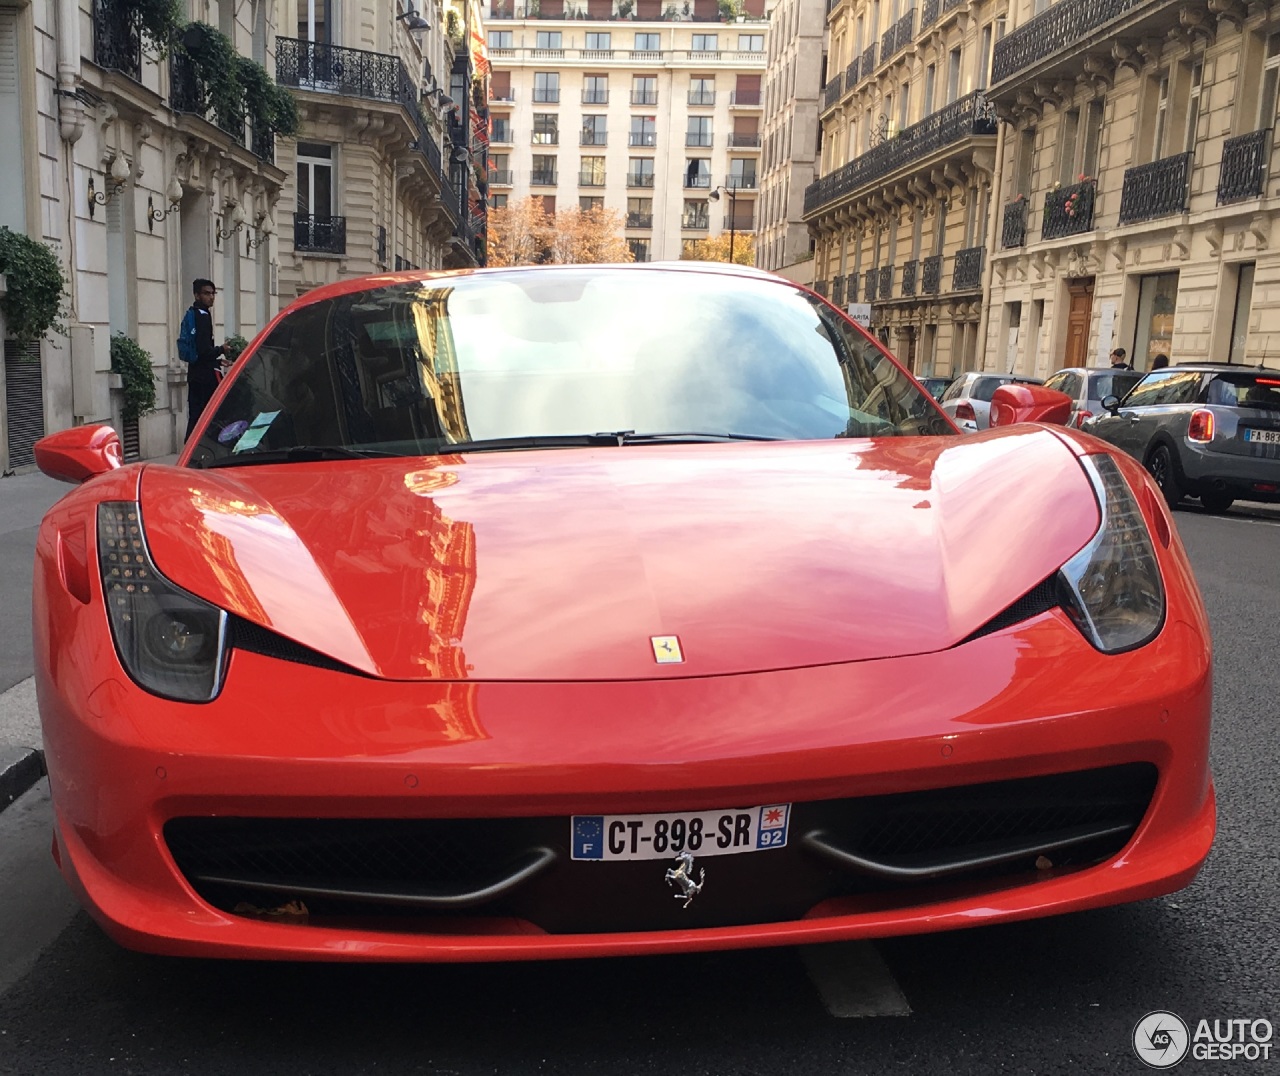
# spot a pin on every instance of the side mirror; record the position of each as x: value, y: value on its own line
x: 1111, y: 404
x: 1029, y: 403
x: 79, y: 453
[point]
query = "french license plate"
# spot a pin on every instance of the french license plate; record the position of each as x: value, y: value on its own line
x: 662, y: 836
x: 1262, y: 437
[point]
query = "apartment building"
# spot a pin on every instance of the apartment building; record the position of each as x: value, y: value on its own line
x: 380, y: 175
x: 901, y: 208
x: 1138, y: 198
x: 111, y: 155
x: 652, y: 110
x: 792, y: 96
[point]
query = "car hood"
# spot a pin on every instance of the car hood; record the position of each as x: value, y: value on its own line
x: 564, y: 564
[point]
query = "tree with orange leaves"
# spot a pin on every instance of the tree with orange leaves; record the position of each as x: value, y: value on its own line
x: 523, y: 233
x: 715, y: 248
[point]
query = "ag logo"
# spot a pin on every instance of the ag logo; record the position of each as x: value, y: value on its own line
x: 1161, y: 1039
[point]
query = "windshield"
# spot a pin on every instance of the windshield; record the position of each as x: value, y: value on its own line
x: 1246, y: 390
x: 1112, y: 384
x: 415, y: 368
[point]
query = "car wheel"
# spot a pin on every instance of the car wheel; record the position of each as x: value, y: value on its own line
x: 1161, y: 466
x: 1217, y: 502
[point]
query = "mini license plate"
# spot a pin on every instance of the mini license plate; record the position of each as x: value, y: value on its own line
x: 1263, y: 437
x: 662, y: 836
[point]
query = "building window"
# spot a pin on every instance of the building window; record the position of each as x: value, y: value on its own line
x: 1157, y: 301
x: 644, y: 90
x: 1161, y: 119
x: 315, y: 180
x: 498, y: 201
x: 599, y: 42
x: 548, y: 39
x: 930, y: 88
x: 696, y: 214
x: 639, y: 249
x: 742, y: 174
x: 544, y: 170
x: 640, y: 172
x: 501, y: 129
x: 647, y: 43
x: 702, y: 91
x: 751, y: 42
x: 644, y: 131
x: 1068, y: 133
x: 1240, y: 315
x: 315, y: 20
x: 699, y: 132
x: 697, y: 173
x: 546, y: 87
x: 594, y: 132
x: 639, y: 212
x: 953, y: 75
x: 1193, y: 104
x: 501, y: 39
x: 595, y: 90
x: 1270, y: 84
x: 590, y: 202
x: 546, y: 129
x: 591, y: 172
x: 705, y: 43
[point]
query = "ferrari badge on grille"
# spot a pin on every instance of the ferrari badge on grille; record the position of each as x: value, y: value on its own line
x: 681, y: 875
x: 666, y: 649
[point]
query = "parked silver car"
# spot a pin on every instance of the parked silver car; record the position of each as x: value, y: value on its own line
x: 968, y: 398
x: 1208, y: 430
x: 1089, y: 387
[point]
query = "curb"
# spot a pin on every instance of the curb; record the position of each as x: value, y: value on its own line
x: 20, y: 769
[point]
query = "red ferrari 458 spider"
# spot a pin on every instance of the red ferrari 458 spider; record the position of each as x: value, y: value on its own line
x: 572, y: 611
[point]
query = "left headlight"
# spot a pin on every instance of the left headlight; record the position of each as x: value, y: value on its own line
x: 1113, y: 589
x: 171, y: 642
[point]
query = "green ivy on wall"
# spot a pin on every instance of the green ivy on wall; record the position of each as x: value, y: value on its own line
x: 36, y: 286
x: 157, y: 19
x: 234, y: 86
x: 134, y: 367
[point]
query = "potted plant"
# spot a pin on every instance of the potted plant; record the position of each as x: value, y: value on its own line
x: 133, y: 366
x: 32, y: 300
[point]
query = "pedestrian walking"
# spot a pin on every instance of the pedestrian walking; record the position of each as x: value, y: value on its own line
x: 197, y: 349
x: 1119, y: 360
x: 1160, y: 361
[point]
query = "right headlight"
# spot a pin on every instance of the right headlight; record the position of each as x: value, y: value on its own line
x: 171, y: 642
x: 1112, y: 587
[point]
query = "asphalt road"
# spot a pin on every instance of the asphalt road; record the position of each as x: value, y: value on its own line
x: 1054, y: 996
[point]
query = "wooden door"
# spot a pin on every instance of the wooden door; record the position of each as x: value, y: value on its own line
x: 1078, y: 317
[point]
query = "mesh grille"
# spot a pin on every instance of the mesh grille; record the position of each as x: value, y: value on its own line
x: 1040, y: 599
x: 245, y: 635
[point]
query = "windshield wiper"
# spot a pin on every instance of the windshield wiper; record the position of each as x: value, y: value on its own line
x: 300, y: 454
x: 630, y: 437
x: 589, y: 440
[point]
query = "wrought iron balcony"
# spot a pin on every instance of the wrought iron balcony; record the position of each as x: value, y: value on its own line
x: 642, y: 138
x: 837, y: 290
x: 546, y: 97
x: 695, y: 223
x: 740, y: 140
x: 910, y: 274
x: 500, y: 177
x: 928, y: 14
x: 502, y: 135
x: 188, y: 94
x: 822, y: 287
x: 1063, y: 26
x: 742, y: 223
x: 931, y: 275
x: 502, y: 97
x: 698, y: 140
x: 898, y: 36
x: 639, y: 179
x: 702, y: 97
x: 262, y: 141
x: 971, y: 115
x: 319, y: 235
x: 1244, y: 167
x: 1069, y: 210
x: 870, y: 281
x: 966, y: 273
x: 1158, y: 189
x: 832, y: 90
x: 117, y: 45
x: 595, y: 97
x: 639, y: 220
x: 591, y: 179
x: 314, y: 65
x: 744, y: 98
x: 867, y: 63
x: 851, y: 288
x: 697, y: 182
x: 741, y: 181
x: 885, y: 287
x: 1013, y: 228
x: 645, y: 97
x: 543, y: 179
x: 593, y: 138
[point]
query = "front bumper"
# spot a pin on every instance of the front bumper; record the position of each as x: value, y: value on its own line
x: 283, y: 741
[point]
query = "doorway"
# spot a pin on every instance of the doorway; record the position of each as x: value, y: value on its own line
x: 1079, y: 314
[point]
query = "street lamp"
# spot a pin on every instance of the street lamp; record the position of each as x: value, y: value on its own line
x: 732, y: 192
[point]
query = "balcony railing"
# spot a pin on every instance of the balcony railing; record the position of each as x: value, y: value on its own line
x: 1013, y: 228
x: 543, y: 179
x: 502, y: 135
x: 546, y: 97
x: 500, y: 177
x: 697, y: 140
x: 1063, y: 26
x: 867, y: 63
x: 898, y: 36
x: 931, y: 275
x: 744, y: 98
x: 740, y: 182
x: 852, y: 74
x: 314, y: 65
x: 544, y: 138
x: 591, y: 179
x: 639, y: 179
x: 928, y: 14
x: 869, y: 284
x: 695, y: 224
x: 1158, y: 189
x: 885, y: 287
x: 595, y: 97
x: 593, y: 138
x: 1069, y: 210
x: 117, y: 45
x: 740, y: 224
x: 319, y: 235
x: 962, y: 119
x: 642, y: 138
x: 738, y: 140
x: 645, y: 97
x: 502, y: 97
x: 639, y: 220
x: 702, y: 97
x: 187, y: 93
x: 966, y: 273
x: 851, y: 288
x: 837, y: 290
x: 1244, y: 167
x: 910, y: 274
x: 832, y: 91
x: 702, y: 183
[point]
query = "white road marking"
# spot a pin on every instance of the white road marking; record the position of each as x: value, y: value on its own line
x: 854, y: 980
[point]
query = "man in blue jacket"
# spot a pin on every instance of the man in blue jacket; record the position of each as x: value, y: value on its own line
x: 197, y: 349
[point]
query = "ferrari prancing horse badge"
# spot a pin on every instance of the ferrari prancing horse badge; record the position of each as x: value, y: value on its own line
x: 666, y: 649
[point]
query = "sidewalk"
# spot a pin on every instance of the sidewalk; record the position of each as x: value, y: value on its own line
x: 24, y: 499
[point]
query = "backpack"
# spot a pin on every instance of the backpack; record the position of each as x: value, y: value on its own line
x: 187, y: 337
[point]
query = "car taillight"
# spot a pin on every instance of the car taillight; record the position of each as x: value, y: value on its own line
x: 965, y: 411
x: 1201, y: 426
x: 1082, y: 417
